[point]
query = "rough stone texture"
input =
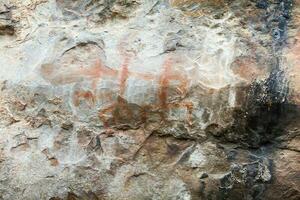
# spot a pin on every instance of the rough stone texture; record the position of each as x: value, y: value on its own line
x: 149, y: 99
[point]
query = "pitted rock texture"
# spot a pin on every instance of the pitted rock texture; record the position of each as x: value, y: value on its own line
x: 149, y: 99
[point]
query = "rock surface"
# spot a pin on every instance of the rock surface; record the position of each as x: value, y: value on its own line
x: 149, y: 99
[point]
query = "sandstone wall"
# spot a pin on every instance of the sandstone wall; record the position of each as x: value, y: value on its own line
x: 149, y: 99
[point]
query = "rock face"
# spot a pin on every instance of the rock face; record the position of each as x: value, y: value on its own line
x: 149, y: 99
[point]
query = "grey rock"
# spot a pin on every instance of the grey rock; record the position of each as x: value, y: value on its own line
x: 149, y: 99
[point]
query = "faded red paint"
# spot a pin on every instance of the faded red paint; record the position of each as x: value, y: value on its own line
x: 96, y: 71
x: 146, y: 77
x: 115, y: 112
x: 102, y: 116
x: 119, y: 108
x: 183, y: 86
x: 83, y: 95
x: 124, y: 76
x: 126, y: 56
x: 164, y: 83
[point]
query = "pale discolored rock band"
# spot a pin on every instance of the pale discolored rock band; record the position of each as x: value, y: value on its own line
x: 149, y: 99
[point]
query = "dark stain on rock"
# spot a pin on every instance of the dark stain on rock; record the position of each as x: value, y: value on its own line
x: 266, y: 111
x: 98, y: 11
x: 173, y: 149
x: 262, y: 4
x: 247, y: 181
x: 7, y: 24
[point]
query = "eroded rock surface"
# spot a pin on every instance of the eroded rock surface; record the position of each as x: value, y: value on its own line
x: 149, y: 99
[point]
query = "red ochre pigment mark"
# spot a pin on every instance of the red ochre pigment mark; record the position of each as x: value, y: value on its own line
x: 102, y: 115
x: 146, y: 77
x: 61, y: 76
x: 168, y: 75
x: 87, y: 96
x: 94, y: 73
x: 98, y: 70
x: 126, y: 56
x: 119, y: 109
x: 164, y: 83
x: 124, y: 76
x: 122, y: 110
x: 183, y: 86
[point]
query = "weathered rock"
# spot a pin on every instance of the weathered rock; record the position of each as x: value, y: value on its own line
x: 155, y: 99
x: 6, y: 22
